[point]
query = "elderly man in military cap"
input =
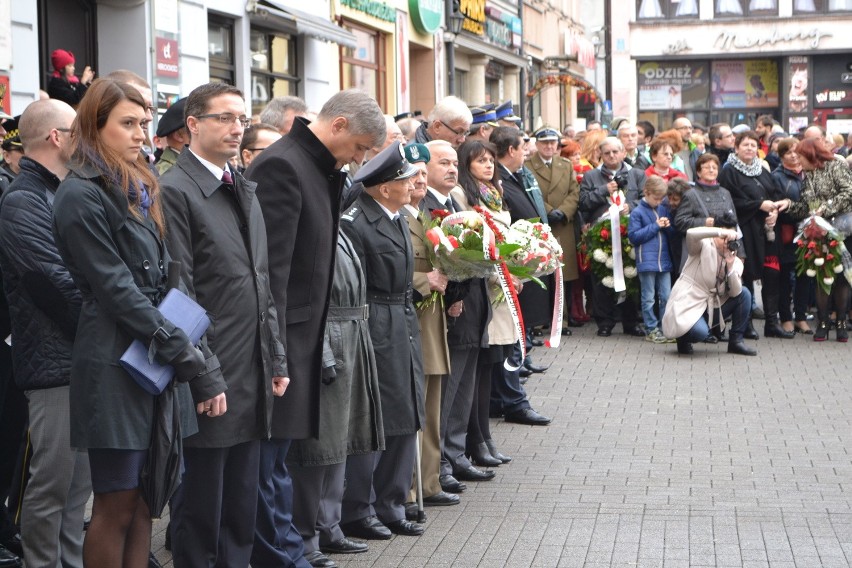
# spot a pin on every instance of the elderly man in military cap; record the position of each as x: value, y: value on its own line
x: 171, y: 131
x: 484, y: 122
x: 506, y: 115
x: 379, y: 235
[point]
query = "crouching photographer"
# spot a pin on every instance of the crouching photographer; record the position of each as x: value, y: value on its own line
x: 711, y: 281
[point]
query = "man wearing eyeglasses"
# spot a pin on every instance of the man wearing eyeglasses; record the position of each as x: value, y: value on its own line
x: 597, y: 191
x: 449, y: 120
x: 217, y: 233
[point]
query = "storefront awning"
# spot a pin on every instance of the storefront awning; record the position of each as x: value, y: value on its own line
x: 306, y: 24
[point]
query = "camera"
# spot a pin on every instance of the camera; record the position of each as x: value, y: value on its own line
x: 620, y: 180
x: 733, y: 246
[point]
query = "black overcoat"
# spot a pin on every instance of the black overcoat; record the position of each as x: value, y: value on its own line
x: 218, y: 235
x: 299, y: 189
x: 536, y: 302
x: 118, y: 263
x: 388, y: 262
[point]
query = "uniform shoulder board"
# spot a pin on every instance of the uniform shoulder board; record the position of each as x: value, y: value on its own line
x: 351, y: 213
x: 564, y: 159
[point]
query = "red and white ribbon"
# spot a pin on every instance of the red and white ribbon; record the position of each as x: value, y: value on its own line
x: 615, y: 234
x: 514, y: 304
x: 558, y: 306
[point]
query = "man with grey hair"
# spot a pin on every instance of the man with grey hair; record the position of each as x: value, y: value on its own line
x: 281, y: 111
x: 449, y: 120
x: 299, y: 186
x: 351, y: 191
x: 597, y: 191
x: 44, y: 305
x: 408, y: 126
x: 629, y: 136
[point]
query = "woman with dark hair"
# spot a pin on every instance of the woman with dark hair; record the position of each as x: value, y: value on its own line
x: 828, y: 186
x: 467, y: 334
x: 758, y: 201
x: 790, y: 177
x: 109, y: 230
x: 662, y: 155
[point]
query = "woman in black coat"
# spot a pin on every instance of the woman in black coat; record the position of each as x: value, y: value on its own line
x: 109, y: 230
x: 758, y: 201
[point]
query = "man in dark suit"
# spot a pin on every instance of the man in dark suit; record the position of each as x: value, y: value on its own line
x: 523, y: 203
x: 216, y: 232
x: 299, y: 185
x: 378, y: 484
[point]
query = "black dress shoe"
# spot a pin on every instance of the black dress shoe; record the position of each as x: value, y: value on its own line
x: 441, y: 499
x: 405, y: 528
x: 740, y: 348
x: 368, y: 528
x: 535, y: 368
x: 480, y: 456
x: 537, y: 342
x: 634, y: 331
x: 450, y: 484
x: 473, y: 474
x: 319, y: 560
x: 411, y: 512
x: 575, y: 323
x: 567, y: 332
x: 684, y: 347
x: 604, y: 331
x: 524, y: 373
x: 344, y: 546
x: 9, y: 559
x: 493, y: 449
x: 527, y: 416
x: 711, y: 339
x: 14, y: 545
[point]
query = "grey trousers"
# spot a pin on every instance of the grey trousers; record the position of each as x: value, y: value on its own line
x: 60, y: 484
x: 456, y: 400
x: 317, y: 503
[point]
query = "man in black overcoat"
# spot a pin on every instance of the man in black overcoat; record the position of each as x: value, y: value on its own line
x: 380, y: 237
x: 216, y: 231
x: 299, y: 186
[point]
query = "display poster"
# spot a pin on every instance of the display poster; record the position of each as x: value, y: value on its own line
x: 761, y: 83
x: 728, y: 88
x: 829, y: 89
x: 664, y: 85
x: 797, y: 96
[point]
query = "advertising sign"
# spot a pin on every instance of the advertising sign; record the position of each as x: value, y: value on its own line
x: 664, y: 85
x: 167, y: 58
x: 829, y: 89
x: 797, y: 96
x: 426, y: 15
x: 761, y: 83
x: 751, y: 83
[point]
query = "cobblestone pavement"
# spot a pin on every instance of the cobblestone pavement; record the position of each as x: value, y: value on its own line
x: 657, y: 460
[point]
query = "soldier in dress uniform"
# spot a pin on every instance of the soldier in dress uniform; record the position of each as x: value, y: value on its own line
x: 379, y: 235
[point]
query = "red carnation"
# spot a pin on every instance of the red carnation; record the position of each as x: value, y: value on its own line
x: 832, y: 244
x: 604, y: 234
x: 829, y: 256
x: 812, y: 245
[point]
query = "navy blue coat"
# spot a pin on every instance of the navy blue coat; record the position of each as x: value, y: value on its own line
x: 650, y: 241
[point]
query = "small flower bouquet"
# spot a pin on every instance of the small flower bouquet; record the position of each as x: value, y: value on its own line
x: 597, y: 243
x: 820, y: 253
x: 539, y: 253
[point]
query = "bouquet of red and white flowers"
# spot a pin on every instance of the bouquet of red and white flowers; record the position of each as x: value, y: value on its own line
x: 821, y: 254
x: 539, y: 254
x: 599, y: 241
x: 464, y: 246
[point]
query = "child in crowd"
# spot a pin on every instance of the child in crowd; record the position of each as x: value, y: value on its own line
x: 677, y: 187
x: 649, y: 231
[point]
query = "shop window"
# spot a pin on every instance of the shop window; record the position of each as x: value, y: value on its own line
x: 737, y: 8
x: 365, y: 66
x: 220, y: 41
x: 492, y: 91
x: 821, y: 6
x: 273, y: 67
x: 657, y: 9
x: 461, y: 84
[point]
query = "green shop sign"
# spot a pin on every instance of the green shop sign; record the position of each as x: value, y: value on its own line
x: 371, y: 7
x: 426, y: 14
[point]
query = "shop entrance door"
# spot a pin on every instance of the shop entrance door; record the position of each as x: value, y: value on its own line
x: 69, y: 25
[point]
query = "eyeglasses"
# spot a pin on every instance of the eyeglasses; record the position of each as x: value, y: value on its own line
x: 683, y: 128
x: 461, y: 133
x: 610, y: 152
x: 227, y: 119
x: 256, y: 149
x: 58, y: 130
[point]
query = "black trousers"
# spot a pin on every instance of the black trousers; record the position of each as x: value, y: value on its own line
x: 606, y: 310
x: 215, y: 507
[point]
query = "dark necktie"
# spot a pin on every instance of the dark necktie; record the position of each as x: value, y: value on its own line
x: 399, y: 223
x: 449, y: 205
x: 226, y: 178
x: 548, y: 164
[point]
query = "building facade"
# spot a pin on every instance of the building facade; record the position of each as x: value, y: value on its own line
x: 733, y: 60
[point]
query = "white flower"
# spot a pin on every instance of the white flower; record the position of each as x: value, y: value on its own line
x: 608, y: 281
x: 838, y: 269
x: 828, y: 281
x: 630, y: 272
x: 609, y: 262
x: 599, y: 255
x: 819, y: 261
x: 810, y: 272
